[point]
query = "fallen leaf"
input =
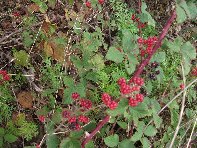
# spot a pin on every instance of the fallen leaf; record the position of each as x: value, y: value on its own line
x: 25, y: 99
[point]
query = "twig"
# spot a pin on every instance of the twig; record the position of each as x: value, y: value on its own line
x: 181, y: 112
x: 191, y: 134
x: 100, y: 125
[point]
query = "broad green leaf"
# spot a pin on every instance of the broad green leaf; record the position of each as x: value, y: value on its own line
x: 193, y: 10
x: 145, y: 143
x: 149, y: 87
x: 129, y: 42
x: 120, y: 109
x: 189, y: 50
x: 64, y: 143
x: 186, y: 64
x: 175, y: 45
x: 126, y: 143
x: 156, y: 118
x: 138, y: 134
x: 122, y: 124
x: 10, y: 138
x: 90, y: 126
x: 76, y: 134
x: 181, y: 16
x: 159, y: 57
x: 139, y: 111
x: 52, y: 140
x: 130, y: 65
x: 22, y: 58
x: 90, y: 144
x: 112, y: 140
x: 80, y: 88
x: 174, y: 117
x: 150, y: 131
x: 56, y: 117
x: 184, y: 5
x: 115, y: 55
x: 2, y: 132
x: 1, y: 142
x: 98, y: 62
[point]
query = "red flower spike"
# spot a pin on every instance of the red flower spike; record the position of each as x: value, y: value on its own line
x: 72, y: 119
x: 88, y: 4
x: 75, y: 95
x: 83, y: 119
x: 86, y: 103
x: 137, y: 80
x: 113, y: 105
x: 101, y: 1
x: 125, y: 89
x: 133, y: 102
x: 182, y: 86
x: 135, y: 88
x: 139, y: 97
x: 41, y: 118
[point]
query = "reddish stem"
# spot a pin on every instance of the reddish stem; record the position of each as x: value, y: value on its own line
x: 136, y: 74
x: 99, y: 126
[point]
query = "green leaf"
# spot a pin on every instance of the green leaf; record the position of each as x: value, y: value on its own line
x: 126, y: 143
x: 184, y: 5
x: 122, y: 124
x: 149, y: 87
x: 76, y: 134
x: 189, y: 50
x: 112, y: 140
x: 193, y: 10
x: 174, y: 117
x: 175, y: 45
x: 130, y: 65
x: 10, y: 138
x: 22, y: 58
x: 181, y: 16
x: 138, y: 134
x: 89, y: 127
x: 97, y: 61
x: 159, y: 57
x: 120, y: 109
x: 90, y: 144
x: 145, y: 143
x: 129, y: 42
x: 156, y: 118
x: 1, y: 142
x: 52, y: 140
x: 115, y: 55
x: 150, y: 131
x: 2, y: 132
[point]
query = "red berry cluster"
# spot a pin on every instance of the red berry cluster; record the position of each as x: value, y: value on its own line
x: 83, y: 119
x: 66, y: 114
x: 134, y: 85
x: 136, y: 19
x: 194, y: 71
x: 106, y: 98
x: 182, y: 86
x: 88, y: 4
x: 85, y: 103
x: 101, y: 1
x: 75, y: 95
x: 148, y: 44
x: 5, y: 76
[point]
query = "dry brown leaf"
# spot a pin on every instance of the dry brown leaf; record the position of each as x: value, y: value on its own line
x: 33, y: 8
x: 25, y: 99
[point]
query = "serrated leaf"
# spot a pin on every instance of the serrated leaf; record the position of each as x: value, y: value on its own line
x: 112, y: 140
x: 52, y: 140
x: 122, y: 124
x: 128, y: 42
x: 76, y: 134
x: 159, y: 57
x: 130, y: 65
x: 189, y: 50
x: 138, y: 134
x: 181, y: 16
x: 120, y: 109
x: 10, y: 138
x: 145, y: 143
x: 193, y: 10
x: 1, y: 142
x: 22, y: 58
x: 175, y: 45
x: 115, y: 55
x: 90, y: 144
x: 126, y: 143
x: 174, y: 117
x: 150, y: 131
x: 149, y: 87
x: 184, y: 5
x: 156, y: 118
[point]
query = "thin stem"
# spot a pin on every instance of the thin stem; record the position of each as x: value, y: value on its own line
x: 191, y: 134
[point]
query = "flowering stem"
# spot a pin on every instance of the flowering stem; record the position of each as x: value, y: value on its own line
x: 136, y: 74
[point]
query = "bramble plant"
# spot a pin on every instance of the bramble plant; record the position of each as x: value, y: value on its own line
x: 98, y: 73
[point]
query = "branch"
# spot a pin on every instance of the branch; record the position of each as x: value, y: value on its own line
x: 100, y: 125
x: 136, y: 74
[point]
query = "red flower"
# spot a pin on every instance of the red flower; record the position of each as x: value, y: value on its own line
x: 41, y: 118
x: 86, y: 103
x: 6, y: 77
x: 194, y: 72
x: 182, y: 86
x: 75, y: 95
x: 83, y: 119
x: 38, y: 146
x: 16, y: 14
